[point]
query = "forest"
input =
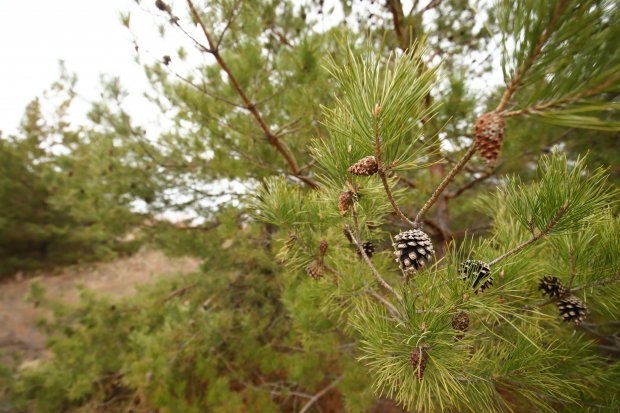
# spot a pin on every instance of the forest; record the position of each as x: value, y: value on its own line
x: 396, y: 206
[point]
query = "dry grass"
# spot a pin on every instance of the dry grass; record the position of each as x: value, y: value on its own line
x: 121, y: 277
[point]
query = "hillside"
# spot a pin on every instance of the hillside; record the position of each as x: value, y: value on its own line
x: 18, y: 317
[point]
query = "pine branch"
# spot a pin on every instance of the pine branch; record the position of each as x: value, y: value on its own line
x: 388, y: 304
x: 229, y: 21
x: 455, y: 170
x: 486, y: 175
x: 535, y: 238
x: 564, y: 101
x: 203, y: 90
x: 515, y: 82
x: 396, y: 9
x: 373, y: 269
x: 278, y: 144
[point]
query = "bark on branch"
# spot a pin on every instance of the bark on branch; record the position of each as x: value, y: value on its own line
x: 249, y: 104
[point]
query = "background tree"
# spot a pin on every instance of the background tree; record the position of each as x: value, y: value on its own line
x: 68, y: 192
x: 291, y: 312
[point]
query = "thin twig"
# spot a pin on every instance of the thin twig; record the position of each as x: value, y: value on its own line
x: 360, y: 248
x: 398, y: 18
x: 388, y: 192
x: 229, y: 21
x: 431, y: 5
x: 455, y: 170
x: 320, y: 394
x: 515, y: 82
x: 410, y: 184
x: 203, y: 90
x: 388, y: 304
x: 567, y: 100
x: 178, y: 292
x: 381, y: 170
x: 471, y: 184
x: 279, y: 145
x: 536, y: 237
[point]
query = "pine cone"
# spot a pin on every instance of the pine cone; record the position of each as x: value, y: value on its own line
x: 489, y: 136
x: 323, y: 248
x: 460, y: 322
x: 418, y: 361
x: 345, y: 201
x: 572, y: 309
x: 551, y: 286
x: 413, y: 249
x: 365, y: 167
x: 369, y: 249
x: 481, y: 271
x: 315, y: 270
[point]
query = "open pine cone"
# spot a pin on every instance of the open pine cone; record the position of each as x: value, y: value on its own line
x: 572, y: 309
x: 412, y: 249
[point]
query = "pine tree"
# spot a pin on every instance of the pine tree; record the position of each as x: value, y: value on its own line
x: 292, y: 313
x: 65, y: 195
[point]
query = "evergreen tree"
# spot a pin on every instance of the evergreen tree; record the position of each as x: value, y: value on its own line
x: 407, y: 240
x: 68, y: 191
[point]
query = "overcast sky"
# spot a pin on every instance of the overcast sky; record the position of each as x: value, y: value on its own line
x: 36, y: 34
x: 88, y: 36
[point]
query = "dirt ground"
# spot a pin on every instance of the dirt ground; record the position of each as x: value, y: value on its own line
x: 18, y: 318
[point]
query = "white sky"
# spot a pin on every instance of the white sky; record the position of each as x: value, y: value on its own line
x: 88, y: 36
x: 36, y: 34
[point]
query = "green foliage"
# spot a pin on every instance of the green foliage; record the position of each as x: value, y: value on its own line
x: 288, y: 313
x: 565, y: 53
x: 53, y: 211
x: 563, y: 197
x: 395, y: 87
x: 509, y: 344
x: 216, y: 340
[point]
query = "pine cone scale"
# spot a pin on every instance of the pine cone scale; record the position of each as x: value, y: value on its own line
x: 413, y: 249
